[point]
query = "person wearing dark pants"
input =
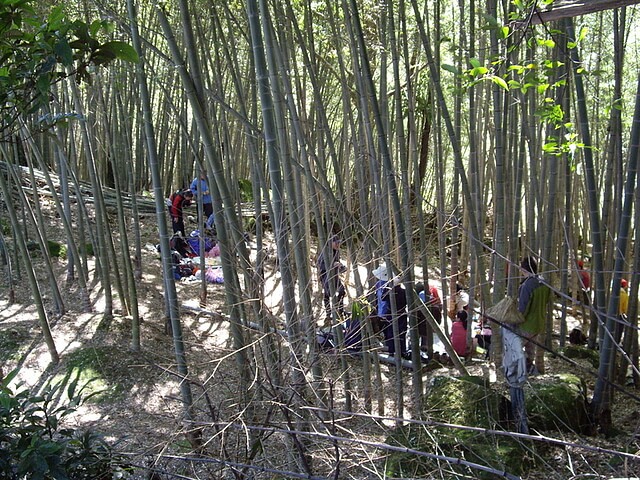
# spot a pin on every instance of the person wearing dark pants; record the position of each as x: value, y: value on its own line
x: 179, y: 201
x: 329, y: 270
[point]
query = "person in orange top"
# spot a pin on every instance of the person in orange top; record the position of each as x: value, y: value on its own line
x: 623, y: 306
x: 624, y: 298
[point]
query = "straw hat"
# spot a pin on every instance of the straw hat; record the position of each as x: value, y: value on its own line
x: 381, y: 272
x: 506, y: 311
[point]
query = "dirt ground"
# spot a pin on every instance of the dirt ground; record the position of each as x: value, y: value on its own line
x: 138, y: 405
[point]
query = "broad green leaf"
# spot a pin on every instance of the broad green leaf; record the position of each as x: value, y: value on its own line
x: 549, y: 43
x: 121, y: 50
x: 500, y: 81
x: 478, y: 71
x: 583, y: 33
x: 450, y: 68
x: 475, y: 63
x: 56, y: 17
x: 542, y: 88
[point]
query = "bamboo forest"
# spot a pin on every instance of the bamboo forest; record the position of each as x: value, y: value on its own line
x: 319, y: 239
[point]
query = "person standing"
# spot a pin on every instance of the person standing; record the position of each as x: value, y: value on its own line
x: 585, y: 278
x: 386, y: 289
x: 533, y: 298
x: 435, y: 304
x: 623, y: 306
x: 178, y: 202
x: 200, y: 188
x: 329, y: 270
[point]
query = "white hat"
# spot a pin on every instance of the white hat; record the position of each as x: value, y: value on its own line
x: 381, y: 272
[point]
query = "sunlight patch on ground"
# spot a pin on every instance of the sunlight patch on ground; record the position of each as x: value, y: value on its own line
x: 9, y: 312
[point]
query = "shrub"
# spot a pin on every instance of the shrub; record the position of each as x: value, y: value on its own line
x: 34, y: 445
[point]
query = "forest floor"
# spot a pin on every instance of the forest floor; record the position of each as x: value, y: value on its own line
x: 137, y: 402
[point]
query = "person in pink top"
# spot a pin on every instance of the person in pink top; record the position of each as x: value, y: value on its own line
x: 459, y: 332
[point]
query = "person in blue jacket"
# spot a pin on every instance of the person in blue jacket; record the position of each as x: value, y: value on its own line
x: 385, y: 289
x: 200, y: 187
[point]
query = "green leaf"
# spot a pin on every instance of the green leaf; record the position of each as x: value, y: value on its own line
x: 549, y: 43
x: 478, y: 71
x: 543, y: 87
x: 500, y: 81
x: 450, y: 68
x: 583, y: 33
x: 56, y: 17
x: 475, y: 63
x: 63, y: 52
x: 491, y: 21
x: 122, y: 51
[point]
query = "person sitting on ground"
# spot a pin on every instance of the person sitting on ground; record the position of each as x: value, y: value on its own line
x: 459, y: 332
x: 483, y: 337
x: 576, y: 337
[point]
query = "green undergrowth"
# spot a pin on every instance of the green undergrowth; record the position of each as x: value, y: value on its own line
x: 468, y: 436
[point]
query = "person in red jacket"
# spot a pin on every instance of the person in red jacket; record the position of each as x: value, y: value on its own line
x: 179, y: 201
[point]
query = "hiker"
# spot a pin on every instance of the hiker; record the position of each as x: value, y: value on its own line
x: 533, y: 297
x: 434, y: 305
x: 199, y: 187
x: 459, y: 332
x: 329, y: 270
x: 623, y: 306
x: 585, y: 282
x: 483, y: 336
x: 387, y: 288
x: 178, y: 201
x: 424, y: 329
x: 458, y: 301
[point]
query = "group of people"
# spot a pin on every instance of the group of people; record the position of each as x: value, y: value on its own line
x: 198, y: 191
x: 388, y: 297
x: 390, y: 301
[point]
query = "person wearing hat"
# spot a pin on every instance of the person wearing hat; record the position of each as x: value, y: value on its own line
x: 329, y: 270
x: 387, y: 291
x: 624, y: 298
